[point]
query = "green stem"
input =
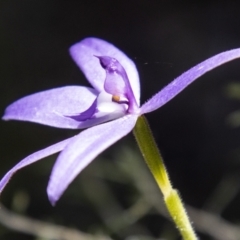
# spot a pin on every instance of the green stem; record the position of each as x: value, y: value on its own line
x: 155, y: 163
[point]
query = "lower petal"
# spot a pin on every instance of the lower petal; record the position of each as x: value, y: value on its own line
x: 34, y: 158
x: 82, y: 150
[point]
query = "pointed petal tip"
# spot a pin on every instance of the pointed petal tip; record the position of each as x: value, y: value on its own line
x: 52, y: 197
x: 53, y: 193
x: 4, y: 181
x: 5, y: 117
x: 52, y: 200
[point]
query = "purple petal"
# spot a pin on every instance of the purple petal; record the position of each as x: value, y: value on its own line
x: 82, y: 150
x: 52, y: 106
x: 33, y: 158
x: 83, y: 53
x: 181, y: 82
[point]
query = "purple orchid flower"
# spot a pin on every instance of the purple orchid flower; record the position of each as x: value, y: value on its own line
x: 109, y: 110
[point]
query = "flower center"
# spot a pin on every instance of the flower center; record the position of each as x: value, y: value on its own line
x: 117, y: 98
x: 117, y: 83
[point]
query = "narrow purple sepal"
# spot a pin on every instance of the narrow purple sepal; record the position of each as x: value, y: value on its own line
x: 34, y: 158
x: 52, y: 106
x: 181, y: 82
x: 83, y: 53
x: 82, y: 150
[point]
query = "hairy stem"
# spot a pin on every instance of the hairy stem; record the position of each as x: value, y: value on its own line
x: 155, y: 163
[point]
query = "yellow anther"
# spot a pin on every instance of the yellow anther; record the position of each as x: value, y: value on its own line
x: 115, y: 98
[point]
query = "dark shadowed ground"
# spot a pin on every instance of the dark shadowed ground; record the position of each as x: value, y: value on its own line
x: 198, y: 132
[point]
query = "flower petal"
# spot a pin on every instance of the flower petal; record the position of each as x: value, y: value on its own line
x: 52, y: 106
x: 34, y: 158
x: 83, y: 53
x: 181, y: 82
x: 82, y: 150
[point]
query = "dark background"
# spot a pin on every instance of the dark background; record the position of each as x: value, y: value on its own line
x: 196, y: 132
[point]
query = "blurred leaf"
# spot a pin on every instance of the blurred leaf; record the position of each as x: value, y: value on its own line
x: 233, y: 90
x: 233, y: 119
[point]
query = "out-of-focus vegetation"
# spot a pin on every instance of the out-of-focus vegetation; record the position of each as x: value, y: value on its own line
x: 233, y: 92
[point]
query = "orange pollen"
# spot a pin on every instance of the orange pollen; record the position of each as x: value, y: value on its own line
x: 115, y: 98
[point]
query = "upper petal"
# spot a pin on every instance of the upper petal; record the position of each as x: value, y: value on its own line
x: 52, y: 106
x: 33, y: 158
x: 181, y: 82
x: 82, y: 150
x: 83, y: 53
